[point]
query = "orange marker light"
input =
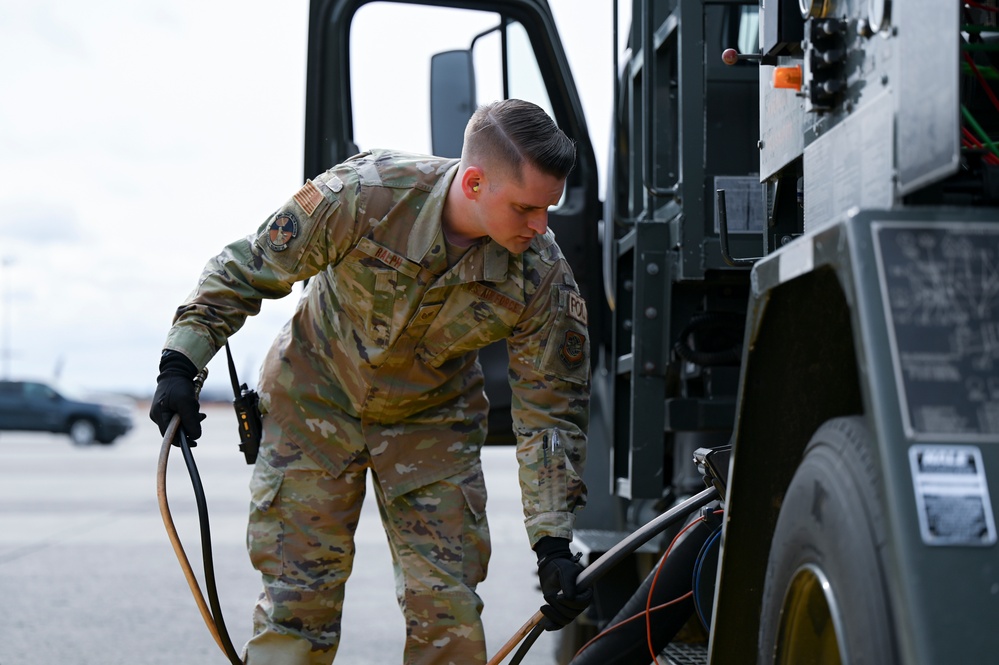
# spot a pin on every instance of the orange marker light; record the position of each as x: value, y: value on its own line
x: 788, y: 77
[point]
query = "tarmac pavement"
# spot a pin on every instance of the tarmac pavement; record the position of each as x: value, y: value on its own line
x: 88, y: 575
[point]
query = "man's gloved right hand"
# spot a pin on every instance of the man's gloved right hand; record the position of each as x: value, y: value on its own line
x: 557, y: 572
x: 175, y: 393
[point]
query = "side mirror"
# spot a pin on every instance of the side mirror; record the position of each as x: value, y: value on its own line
x: 452, y: 100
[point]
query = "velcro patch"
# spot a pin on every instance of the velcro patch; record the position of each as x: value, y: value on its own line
x: 495, y: 297
x: 309, y: 197
x: 388, y: 257
x: 572, y: 350
x: 282, y: 231
x: 577, y: 308
x: 566, y: 352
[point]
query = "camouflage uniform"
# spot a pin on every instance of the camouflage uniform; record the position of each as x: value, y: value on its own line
x: 378, y: 369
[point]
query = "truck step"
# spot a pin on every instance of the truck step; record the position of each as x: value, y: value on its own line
x: 683, y: 654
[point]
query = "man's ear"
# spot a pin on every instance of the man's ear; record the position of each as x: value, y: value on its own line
x: 472, y: 182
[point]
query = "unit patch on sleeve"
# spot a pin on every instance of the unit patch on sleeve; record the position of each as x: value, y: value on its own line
x: 282, y: 231
x: 566, y: 353
x: 572, y: 350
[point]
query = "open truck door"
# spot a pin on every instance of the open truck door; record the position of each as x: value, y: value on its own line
x: 408, y: 75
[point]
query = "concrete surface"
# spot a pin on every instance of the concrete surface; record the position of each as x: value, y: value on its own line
x: 88, y: 575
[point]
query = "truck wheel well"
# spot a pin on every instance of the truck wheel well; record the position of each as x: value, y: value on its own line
x: 800, y: 372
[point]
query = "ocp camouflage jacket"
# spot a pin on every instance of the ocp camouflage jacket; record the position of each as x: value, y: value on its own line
x: 381, y: 352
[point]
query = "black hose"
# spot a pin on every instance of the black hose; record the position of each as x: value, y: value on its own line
x: 526, y: 645
x: 206, y: 552
x: 626, y: 643
x: 725, y: 330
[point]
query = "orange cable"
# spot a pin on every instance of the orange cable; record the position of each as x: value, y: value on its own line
x: 648, y: 602
x: 619, y: 624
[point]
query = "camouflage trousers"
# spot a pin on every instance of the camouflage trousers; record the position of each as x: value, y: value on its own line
x: 301, y: 539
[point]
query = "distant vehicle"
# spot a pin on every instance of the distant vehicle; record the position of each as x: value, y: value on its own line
x: 38, y: 407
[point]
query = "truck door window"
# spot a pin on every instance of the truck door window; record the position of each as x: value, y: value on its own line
x: 525, y: 77
x: 390, y: 52
x: 749, y: 29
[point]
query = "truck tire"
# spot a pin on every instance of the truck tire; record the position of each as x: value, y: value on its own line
x: 825, y: 599
x: 82, y: 431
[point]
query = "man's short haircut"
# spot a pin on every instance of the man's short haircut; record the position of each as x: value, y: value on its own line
x: 512, y: 131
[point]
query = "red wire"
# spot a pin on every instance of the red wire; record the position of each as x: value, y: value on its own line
x: 968, y: 144
x: 648, y: 602
x: 647, y: 613
x: 981, y: 79
x: 619, y: 624
x: 990, y: 158
x: 977, y: 5
x: 971, y: 141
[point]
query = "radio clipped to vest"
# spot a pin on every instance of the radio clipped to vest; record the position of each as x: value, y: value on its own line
x: 246, y: 403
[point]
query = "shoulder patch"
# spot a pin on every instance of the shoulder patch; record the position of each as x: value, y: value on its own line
x: 572, y: 349
x: 566, y: 352
x: 282, y: 231
x: 309, y: 197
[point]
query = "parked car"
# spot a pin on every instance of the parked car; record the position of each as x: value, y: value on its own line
x: 38, y: 407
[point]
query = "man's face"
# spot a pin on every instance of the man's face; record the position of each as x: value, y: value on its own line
x: 513, y: 212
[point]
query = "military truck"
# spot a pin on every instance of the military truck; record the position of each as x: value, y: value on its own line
x: 792, y: 277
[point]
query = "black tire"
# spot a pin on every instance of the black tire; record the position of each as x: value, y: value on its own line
x: 825, y: 598
x: 82, y: 431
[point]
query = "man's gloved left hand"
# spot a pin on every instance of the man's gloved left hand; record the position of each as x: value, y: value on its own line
x: 558, y: 569
x: 175, y: 393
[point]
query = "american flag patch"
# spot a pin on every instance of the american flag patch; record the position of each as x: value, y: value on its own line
x: 309, y: 197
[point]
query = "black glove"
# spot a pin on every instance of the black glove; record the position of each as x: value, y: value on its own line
x: 557, y: 571
x: 175, y: 393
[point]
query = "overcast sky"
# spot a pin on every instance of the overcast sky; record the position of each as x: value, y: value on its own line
x: 136, y: 140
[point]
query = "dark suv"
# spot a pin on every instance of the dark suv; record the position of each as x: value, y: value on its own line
x: 36, y: 406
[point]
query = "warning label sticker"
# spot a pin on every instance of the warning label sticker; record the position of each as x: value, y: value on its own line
x: 939, y: 282
x: 952, y: 495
